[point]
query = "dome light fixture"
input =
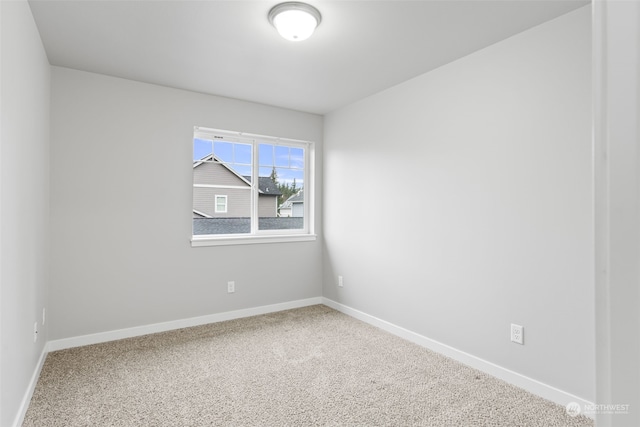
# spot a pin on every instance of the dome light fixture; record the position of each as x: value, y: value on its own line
x: 294, y: 20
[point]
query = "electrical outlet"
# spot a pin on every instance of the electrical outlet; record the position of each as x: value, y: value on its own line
x: 231, y: 287
x: 517, y: 334
x: 44, y: 314
x: 35, y: 332
x: 340, y: 281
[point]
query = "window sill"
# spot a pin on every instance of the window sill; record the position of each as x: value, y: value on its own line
x: 197, y: 241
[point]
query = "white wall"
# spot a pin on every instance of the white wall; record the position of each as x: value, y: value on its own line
x: 24, y: 202
x: 461, y: 201
x: 121, y: 209
x: 617, y: 171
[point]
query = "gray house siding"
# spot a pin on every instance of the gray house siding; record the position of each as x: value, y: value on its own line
x: 213, y: 173
x: 238, y: 201
x: 267, y: 206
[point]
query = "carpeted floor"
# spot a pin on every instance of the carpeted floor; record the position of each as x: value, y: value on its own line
x: 303, y: 367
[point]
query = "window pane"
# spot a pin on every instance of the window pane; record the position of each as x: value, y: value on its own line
x: 293, y: 178
x: 266, y: 171
x: 202, y: 148
x: 265, y: 155
x: 221, y: 196
x: 286, y: 197
x: 297, y: 158
x: 236, y: 156
x: 223, y: 151
x: 242, y: 154
x: 282, y: 156
x: 242, y: 170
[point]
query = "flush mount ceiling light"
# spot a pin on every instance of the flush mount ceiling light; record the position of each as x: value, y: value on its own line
x: 295, y: 21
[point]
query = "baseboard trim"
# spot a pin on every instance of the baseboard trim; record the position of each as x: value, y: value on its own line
x: 529, y: 384
x: 26, y: 400
x: 101, y: 337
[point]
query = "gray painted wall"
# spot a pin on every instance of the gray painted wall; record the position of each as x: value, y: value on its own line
x: 617, y: 197
x: 491, y: 159
x: 24, y: 202
x: 115, y: 265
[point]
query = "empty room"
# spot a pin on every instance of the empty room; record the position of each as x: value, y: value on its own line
x: 336, y: 212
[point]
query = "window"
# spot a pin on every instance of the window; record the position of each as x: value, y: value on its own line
x: 221, y: 204
x: 250, y: 188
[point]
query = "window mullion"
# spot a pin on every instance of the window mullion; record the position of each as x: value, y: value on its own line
x: 254, y: 188
x: 307, y: 189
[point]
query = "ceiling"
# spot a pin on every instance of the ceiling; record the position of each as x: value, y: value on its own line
x: 228, y: 48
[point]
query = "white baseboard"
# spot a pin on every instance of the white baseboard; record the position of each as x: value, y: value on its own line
x: 144, y: 330
x: 26, y: 400
x: 176, y: 324
x: 529, y: 384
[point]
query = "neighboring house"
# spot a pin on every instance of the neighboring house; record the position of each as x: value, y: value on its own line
x: 293, y: 206
x: 232, y: 199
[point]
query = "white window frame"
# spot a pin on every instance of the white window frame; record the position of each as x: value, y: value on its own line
x: 307, y: 233
x: 224, y: 197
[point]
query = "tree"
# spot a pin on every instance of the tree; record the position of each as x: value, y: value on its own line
x: 286, y: 189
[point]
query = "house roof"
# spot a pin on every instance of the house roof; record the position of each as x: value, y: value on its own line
x: 296, y: 198
x: 199, y: 214
x: 266, y: 186
x: 243, y: 225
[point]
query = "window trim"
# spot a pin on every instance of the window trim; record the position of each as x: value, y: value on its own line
x: 307, y: 233
x: 239, y: 239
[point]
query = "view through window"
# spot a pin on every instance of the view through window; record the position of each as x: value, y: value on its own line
x: 247, y: 184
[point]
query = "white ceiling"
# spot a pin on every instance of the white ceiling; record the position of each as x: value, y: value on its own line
x: 229, y: 48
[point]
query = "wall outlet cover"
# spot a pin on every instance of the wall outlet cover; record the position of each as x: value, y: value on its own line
x: 517, y: 334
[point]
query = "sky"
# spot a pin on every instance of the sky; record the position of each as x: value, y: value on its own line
x: 288, y: 161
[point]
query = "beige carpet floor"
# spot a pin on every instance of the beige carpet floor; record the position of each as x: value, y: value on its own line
x: 306, y: 367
